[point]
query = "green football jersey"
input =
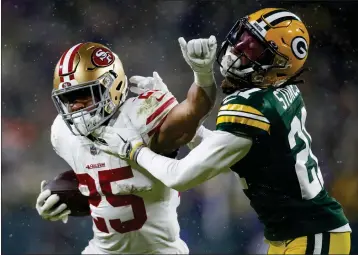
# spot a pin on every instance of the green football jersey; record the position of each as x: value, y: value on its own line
x: 280, y: 174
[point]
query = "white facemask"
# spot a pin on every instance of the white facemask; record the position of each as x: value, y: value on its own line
x: 226, y: 63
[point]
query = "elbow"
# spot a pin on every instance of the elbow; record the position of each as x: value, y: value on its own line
x: 184, y: 180
x: 172, y: 178
x: 177, y: 184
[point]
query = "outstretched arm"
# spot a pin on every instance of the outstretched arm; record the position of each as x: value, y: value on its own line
x: 213, y: 156
x: 180, y: 125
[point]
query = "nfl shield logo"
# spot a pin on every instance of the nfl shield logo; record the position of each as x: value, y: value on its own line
x: 93, y: 150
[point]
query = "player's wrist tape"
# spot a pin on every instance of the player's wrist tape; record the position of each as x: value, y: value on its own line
x: 135, y: 151
x: 204, y: 79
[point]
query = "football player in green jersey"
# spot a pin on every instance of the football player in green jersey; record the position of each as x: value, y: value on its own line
x: 260, y: 135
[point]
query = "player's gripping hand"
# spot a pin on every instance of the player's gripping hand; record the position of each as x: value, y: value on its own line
x: 45, y: 203
x: 124, y: 143
x: 143, y: 84
x: 199, y: 54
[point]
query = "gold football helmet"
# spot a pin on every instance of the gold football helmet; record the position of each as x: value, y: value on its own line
x: 89, y: 69
x: 265, y: 48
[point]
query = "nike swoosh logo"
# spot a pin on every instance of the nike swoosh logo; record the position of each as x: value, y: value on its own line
x: 160, y: 98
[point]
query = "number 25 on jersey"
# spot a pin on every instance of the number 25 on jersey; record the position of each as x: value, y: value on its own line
x: 95, y: 198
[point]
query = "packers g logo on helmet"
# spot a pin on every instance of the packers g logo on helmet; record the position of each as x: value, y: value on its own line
x: 279, y: 44
x: 299, y: 47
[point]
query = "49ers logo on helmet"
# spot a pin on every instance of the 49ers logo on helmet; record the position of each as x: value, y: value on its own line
x: 102, y: 57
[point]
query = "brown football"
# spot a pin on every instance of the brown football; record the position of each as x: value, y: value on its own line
x: 65, y: 185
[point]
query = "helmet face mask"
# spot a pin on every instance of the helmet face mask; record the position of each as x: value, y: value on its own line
x: 89, y: 87
x: 259, y: 53
x: 85, y: 120
x: 245, y: 55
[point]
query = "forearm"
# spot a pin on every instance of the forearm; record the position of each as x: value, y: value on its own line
x: 177, y: 174
x: 206, y: 81
x: 181, y: 123
x: 201, y: 95
x: 210, y: 158
x: 199, y: 101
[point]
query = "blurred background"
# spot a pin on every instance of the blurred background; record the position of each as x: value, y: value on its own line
x: 215, y: 217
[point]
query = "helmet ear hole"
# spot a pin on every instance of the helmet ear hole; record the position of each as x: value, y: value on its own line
x: 119, y: 86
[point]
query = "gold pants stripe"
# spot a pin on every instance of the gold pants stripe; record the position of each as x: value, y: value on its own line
x: 321, y: 243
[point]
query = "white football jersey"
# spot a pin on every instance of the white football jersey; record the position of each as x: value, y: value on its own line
x: 124, y: 220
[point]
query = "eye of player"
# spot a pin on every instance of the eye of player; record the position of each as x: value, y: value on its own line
x: 81, y: 98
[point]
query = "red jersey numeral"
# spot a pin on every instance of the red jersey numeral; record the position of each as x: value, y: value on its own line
x: 105, y: 179
x: 158, y: 96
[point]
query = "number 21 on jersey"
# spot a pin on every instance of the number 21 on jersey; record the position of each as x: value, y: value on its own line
x: 307, y: 169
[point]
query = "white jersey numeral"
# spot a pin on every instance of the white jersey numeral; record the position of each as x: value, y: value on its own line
x: 309, y: 188
x: 246, y: 94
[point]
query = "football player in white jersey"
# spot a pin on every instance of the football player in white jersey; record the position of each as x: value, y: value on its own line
x: 90, y: 90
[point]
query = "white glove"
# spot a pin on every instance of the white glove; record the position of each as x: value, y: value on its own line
x: 144, y: 84
x: 200, y: 55
x: 124, y: 143
x: 46, y: 201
